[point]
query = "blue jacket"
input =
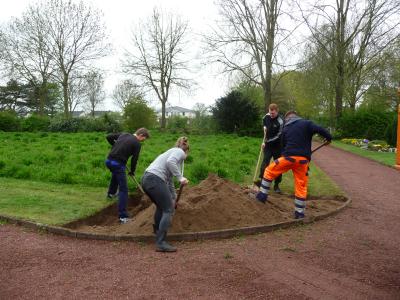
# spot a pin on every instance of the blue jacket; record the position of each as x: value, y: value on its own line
x: 297, y: 135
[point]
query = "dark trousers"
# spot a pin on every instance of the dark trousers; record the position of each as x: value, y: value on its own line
x: 118, y: 181
x: 274, y: 152
x: 159, y: 193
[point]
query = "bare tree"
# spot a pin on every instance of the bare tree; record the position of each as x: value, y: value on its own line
x: 362, y: 29
x: 126, y: 91
x: 93, y: 83
x: 76, y: 37
x: 76, y: 91
x: 157, y: 60
x: 247, y: 39
x: 26, y: 52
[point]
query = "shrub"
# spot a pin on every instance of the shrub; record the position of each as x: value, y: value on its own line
x: 35, y: 123
x: 364, y: 124
x: 177, y: 124
x: 9, y: 121
x: 65, y: 125
x: 391, y: 132
x: 137, y: 114
x: 236, y: 113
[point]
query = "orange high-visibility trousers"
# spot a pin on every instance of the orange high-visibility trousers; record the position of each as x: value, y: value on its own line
x: 299, y: 167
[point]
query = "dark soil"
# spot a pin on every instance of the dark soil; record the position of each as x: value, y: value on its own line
x: 354, y: 255
x: 214, y: 204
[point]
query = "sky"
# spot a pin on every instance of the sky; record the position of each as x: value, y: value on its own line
x: 120, y: 17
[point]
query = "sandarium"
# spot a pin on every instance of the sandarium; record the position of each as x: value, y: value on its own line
x: 214, y: 205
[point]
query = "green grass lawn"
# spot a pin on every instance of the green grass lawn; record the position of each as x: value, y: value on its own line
x: 49, y: 203
x: 385, y: 158
x: 55, y: 178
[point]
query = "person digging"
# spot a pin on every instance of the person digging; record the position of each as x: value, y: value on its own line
x: 158, y: 184
x: 297, y: 134
x: 124, y: 145
x: 271, y: 145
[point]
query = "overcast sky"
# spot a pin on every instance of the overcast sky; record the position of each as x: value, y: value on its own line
x: 120, y: 17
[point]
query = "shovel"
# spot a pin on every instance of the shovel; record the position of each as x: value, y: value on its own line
x: 320, y: 146
x: 135, y: 181
x: 179, y: 195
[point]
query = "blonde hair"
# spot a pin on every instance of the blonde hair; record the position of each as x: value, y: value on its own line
x: 183, y: 143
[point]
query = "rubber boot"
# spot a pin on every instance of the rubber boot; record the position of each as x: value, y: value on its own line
x: 161, y: 244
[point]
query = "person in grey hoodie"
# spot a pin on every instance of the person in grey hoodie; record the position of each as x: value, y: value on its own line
x: 158, y: 184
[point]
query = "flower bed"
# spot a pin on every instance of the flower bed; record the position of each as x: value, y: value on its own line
x: 375, y: 145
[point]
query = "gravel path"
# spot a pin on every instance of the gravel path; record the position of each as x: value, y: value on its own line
x: 354, y: 255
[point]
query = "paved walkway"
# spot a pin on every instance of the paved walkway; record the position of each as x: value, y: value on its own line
x: 354, y: 255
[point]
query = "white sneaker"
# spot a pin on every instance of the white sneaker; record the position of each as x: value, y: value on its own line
x: 124, y: 220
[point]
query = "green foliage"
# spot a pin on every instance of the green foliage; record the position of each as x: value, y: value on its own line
x: 9, y: 121
x: 391, y: 132
x: 364, y: 124
x: 199, y: 172
x: 236, y: 113
x: 35, y: 123
x: 138, y: 114
x: 177, y: 124
x: 105, y: 123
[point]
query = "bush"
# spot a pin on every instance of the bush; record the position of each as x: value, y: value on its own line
x: 137, y: 114
x: 391, y: 132
x: 178, y: 124
x: 9, y: 121
x: 237, y: 113
x: 105, y: 123
x: 364, y: 124
x: 65, y: 125
x: 35, y: 123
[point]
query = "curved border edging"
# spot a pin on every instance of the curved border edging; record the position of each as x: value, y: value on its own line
x: 188, y: 236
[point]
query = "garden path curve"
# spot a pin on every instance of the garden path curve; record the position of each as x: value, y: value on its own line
x: 354, y: 255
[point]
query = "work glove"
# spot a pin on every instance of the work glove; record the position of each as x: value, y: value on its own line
x: 183, y: 181
x: 262, y: 197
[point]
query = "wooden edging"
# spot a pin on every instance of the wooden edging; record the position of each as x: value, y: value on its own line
x: 189, y: 236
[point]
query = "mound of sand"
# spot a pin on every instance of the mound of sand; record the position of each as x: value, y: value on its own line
x: 214, y: 204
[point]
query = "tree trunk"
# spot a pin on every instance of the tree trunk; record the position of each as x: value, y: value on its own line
x: 67, y: 114
x: 162, y: 114
x: 267, y: 95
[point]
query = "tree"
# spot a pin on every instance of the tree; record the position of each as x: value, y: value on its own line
x: 158, y: 60
x: 26, y: 54
x: 234, y: 113
x: 76, y: 37
x: 358, y: 31
x: 137, y: 114
x: 124, y: 92
x: 247, y: 40
x: 93, y: 83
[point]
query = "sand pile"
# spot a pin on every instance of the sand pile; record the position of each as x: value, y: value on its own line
x: 214, y: 204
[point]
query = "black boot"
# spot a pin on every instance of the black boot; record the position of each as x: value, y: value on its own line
x: 161, y: 244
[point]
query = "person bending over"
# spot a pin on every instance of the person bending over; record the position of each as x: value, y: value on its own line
x: 158, y: 184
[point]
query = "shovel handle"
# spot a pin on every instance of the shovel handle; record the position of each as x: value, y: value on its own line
x: 320, y: 146
x: 179, y: 195
x: 135, y: 181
